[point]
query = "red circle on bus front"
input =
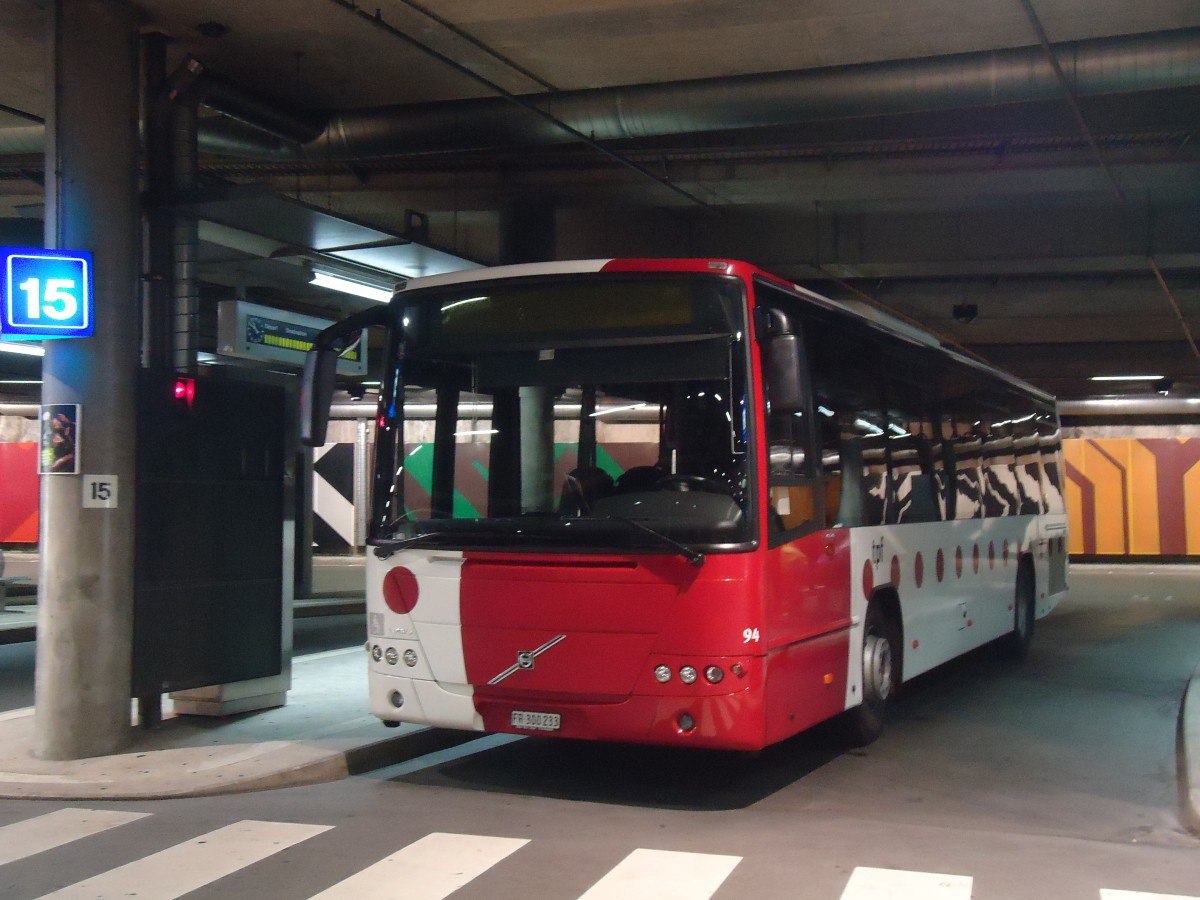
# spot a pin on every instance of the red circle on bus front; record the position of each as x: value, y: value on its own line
x: 400, y: 590
x: 868, y: 579
x: 941, y: 565
x: 975, y: 559
x: 991, y: 554
x: 895, y: 573
x: 958, y: 562
x: 919, y: 569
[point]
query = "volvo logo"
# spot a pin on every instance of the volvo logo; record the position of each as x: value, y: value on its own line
x: 525, y: 658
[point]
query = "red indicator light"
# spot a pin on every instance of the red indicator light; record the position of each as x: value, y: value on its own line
x: 185, y: 390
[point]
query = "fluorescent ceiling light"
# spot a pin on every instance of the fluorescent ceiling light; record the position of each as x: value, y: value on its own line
x: 346, y: 286
x: 22, y: 349
x: 613, y: 409
x: 450, y: 306
x: 19, y: 381
x: 1126, y: 378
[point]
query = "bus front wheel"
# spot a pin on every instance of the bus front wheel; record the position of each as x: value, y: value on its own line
x: 880, y: 675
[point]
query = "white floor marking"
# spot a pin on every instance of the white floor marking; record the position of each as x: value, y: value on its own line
x: 429, y: 869
x: 22, y: 839
x: 185, y: 867
x: 896, y: 884
x: 663, y: 875
x: 1106, y: 894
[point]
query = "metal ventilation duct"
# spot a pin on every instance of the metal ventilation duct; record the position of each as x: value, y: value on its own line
x: 1143, y: 62
x: 1115, y: 65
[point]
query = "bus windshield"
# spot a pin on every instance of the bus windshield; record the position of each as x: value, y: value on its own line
x: 598, y: 413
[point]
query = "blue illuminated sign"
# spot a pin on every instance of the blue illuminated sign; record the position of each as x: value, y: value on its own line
x: 45, y: 293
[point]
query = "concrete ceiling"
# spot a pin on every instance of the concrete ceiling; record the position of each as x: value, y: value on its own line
x: 1067, y: 212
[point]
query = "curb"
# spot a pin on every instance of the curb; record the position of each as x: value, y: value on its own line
x: 1187, y: 745
x: 216, y: 770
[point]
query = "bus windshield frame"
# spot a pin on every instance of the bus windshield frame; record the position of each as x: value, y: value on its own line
x: 589, y: 413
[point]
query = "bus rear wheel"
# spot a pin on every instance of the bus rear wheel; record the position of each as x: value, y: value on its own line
x: 1016, y: 643
x: 880, y: 676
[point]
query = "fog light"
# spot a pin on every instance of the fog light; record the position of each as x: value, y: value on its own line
x: 662, y: 674
x: 686, y: 722
x: 391, y: 656
x: 376, y: 653
x: 714, y: 674
x: 688, y: 674
x: 410, y: 657
x: 396, y: 699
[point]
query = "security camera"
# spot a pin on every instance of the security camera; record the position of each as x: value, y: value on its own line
x: 965, y: 312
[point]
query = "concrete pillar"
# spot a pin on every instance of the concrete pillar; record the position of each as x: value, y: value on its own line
x: 185, y: 288
x: 85, y: 609
x: 537, y: 449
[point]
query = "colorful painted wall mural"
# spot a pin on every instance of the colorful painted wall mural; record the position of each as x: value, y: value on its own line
x: 18, y: 492
x: 1125, y: 496
x: 1133, y: 496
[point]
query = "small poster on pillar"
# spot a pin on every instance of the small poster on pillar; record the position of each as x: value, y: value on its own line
x: 59, y: 454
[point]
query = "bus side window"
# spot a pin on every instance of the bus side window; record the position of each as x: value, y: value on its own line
x: 968, y: 482
x: 1050, y: 444
x: 1000, y: 481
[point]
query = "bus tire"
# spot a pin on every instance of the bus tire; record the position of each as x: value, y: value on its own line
x: 1016, y: 642
x: 880, y: 675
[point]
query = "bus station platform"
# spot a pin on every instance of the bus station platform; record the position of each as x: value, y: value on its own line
x: 325, y: 733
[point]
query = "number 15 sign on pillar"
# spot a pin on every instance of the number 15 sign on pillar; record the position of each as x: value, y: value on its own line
x: 46, y: 293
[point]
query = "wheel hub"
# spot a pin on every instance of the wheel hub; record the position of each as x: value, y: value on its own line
x: 877, y: 667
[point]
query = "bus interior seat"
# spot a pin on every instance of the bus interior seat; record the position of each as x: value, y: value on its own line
x: 639, y: 478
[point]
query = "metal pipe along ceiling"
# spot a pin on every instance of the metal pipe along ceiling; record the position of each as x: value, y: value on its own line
x: 1112, y: 65
x: 1124, y: 64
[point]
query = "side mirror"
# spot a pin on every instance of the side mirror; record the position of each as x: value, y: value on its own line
x: 316, y: 393
x: 784, y: 371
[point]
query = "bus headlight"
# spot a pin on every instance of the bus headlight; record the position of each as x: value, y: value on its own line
x: 376, y: 653
x: 662, y: 674
x: 713, y: 674
x: 410, y: 657
x: 688, y: 674
x: 391, y: 656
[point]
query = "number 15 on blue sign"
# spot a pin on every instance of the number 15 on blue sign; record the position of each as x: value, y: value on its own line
x: 46, y: 293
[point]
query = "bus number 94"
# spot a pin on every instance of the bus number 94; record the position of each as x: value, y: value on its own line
x: 750, y: 634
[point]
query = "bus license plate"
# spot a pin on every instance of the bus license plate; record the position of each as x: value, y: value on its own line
x: 536, y: 721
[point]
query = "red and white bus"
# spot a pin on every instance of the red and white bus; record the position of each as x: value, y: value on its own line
x: 685, y: 502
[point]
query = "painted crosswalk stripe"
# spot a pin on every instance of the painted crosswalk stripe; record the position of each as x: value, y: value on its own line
x: 185, y: 867
x: 1106, y: 894
x: 897, y: 884
x: 663, y: 875
x: 22, y: 839
x: 434, y: 867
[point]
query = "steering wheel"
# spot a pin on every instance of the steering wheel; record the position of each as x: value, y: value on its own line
x: 685, y: 483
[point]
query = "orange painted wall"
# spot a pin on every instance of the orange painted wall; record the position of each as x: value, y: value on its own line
x: 1133, y: 496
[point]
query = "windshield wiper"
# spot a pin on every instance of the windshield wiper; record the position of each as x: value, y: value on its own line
x: 384, y: 549
x: 695, y: 557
